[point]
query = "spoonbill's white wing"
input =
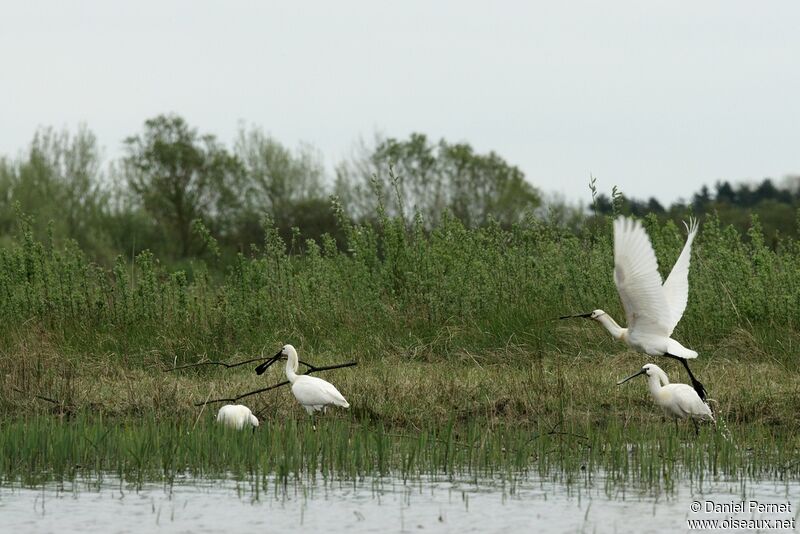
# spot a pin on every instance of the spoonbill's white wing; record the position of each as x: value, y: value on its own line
x: 689, y: 402
x: 313, y: 391
x: 676, y: 286
x: 637, y: 279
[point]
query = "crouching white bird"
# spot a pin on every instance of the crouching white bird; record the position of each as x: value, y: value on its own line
x: 314, y: 394
x: 236, y: 416
x: 652, y: 309
x: 679, y: 401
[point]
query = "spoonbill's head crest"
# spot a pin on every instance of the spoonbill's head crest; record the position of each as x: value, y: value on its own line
x: 649, y: 369
x: 290, y: 354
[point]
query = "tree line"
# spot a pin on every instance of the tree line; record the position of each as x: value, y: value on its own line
x: 183, y: 194
x: 777, y: 207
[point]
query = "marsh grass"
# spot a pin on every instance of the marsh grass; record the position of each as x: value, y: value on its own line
x: 460, y: 361
x: 393, y: 287
x: 142, y: 450
x: 558, y: 416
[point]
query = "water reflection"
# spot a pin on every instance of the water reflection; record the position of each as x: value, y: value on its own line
x: 368, y: 505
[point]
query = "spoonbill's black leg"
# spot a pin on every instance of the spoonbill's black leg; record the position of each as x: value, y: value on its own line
x: 698, y: 387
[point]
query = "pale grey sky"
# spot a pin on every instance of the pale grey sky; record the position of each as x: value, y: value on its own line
x: 656, y: 97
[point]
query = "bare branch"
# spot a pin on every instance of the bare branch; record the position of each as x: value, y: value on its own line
x: 40, y: 397
x: 227, y: 365
x: 243, y: 395
x: 314, y: 368
x: 223, y: 364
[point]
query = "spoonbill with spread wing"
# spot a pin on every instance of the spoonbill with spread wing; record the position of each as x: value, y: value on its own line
x: 652, y: 308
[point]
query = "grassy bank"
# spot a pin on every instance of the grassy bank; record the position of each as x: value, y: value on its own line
x: 451, y: 328
x: 402, y: 391
x: 400, y: 407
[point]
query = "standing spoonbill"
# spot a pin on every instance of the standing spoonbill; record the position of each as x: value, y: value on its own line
x: 652, y: 308
x: 679, y: 401
x: 314, y: 394
x: 236, y: 416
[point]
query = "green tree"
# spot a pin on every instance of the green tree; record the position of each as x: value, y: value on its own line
x: 275, y: 176
x: 7, y: 178
x: 59, y: 182
x: 179, y: 176
x: 287, y: 185
x: 431, y: 178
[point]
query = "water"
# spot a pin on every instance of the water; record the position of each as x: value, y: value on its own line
x: 382, y: 504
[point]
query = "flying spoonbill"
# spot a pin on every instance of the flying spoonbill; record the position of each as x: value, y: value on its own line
x: 236, y: 416
x: 679, y: 401
x: 652, y: 308
x: 314, y: 394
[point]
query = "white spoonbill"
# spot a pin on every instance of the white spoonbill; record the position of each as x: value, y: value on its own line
x: 679, y: 401
x: 652, y: 308
x: 314, y: 394
x: 236, y: 416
